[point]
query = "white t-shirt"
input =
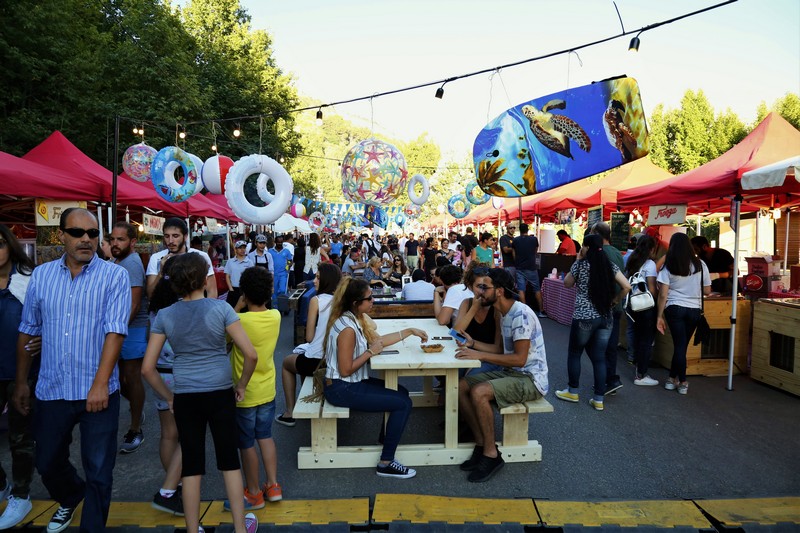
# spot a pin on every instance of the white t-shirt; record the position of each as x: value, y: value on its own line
x: 401, y: 245
x: 289, y: 246
x: 684, y: 290
x: 455, y: 295
x: 314, y: 350
x: 649, y: 269
x: 418, y: 290
x: 154, y: 265
x: 520, y: 323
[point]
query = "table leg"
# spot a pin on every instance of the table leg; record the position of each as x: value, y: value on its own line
x: 451, y: 408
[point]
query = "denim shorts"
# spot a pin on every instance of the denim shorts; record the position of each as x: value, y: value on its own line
x: 169, y: 381
x: 254, y: 423
x: 134, y: 345
x: 527, y: 276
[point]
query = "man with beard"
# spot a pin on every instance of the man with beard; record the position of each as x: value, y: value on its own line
x: 123, y: 240
x: 79, y: 304
x: 175, y: 232
x: 520, y: 374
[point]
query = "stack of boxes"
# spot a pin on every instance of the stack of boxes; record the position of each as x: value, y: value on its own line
x: 763, y: 276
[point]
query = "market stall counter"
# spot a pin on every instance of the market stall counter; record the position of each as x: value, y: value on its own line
x: 711, y: 358
x: 776, y: 343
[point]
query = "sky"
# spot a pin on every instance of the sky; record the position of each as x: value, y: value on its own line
x: 740, y: 55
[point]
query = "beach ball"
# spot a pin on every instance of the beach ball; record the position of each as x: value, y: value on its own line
x: 215, y: 171
x: 136, y: 161
x: 373, y: 173
x: 298, y: 210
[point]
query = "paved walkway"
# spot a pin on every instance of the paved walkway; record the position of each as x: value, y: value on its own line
x: 653, y: 459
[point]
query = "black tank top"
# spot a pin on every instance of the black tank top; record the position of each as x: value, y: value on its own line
x: 483, y: 331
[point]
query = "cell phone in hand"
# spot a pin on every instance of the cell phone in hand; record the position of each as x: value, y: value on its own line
x: 458, y: 336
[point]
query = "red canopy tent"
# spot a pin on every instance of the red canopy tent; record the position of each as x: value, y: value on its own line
x: 22, y: 178
x: 710, y: 187
x: 58, y: 152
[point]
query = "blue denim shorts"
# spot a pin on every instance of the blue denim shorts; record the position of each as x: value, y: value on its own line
x: 527, y: 276
x: 134, y: 345
x: 254, y: 423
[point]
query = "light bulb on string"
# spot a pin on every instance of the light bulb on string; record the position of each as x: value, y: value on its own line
x: 214, y: 147
x: 237, y: 132
x: 319, y: 117
x: 182, y: 135
x: 136, y: 131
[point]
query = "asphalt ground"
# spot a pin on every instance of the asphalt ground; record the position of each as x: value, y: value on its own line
x: 648, y: 444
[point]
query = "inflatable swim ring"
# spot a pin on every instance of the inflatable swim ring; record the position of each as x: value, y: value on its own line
x: 272, y: 171
x: 458, y: 206
x: 162, y: 173
x: 316, y: 220
x: 475, y: 194
x: 400, y: 219
x: 412, y: 193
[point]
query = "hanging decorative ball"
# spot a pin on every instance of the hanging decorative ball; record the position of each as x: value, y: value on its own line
x: 412, y: 210
x: 298, y: 210
x: 400, y: 219
x: 475, y: 194
x: 215, y: 172
x: 198, y: 164
x: 458, y: 206
x: 316, y: 220
x: 136, y: 161
x: 373, y: 172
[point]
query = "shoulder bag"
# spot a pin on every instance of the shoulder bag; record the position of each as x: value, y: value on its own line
x: 703, y: 332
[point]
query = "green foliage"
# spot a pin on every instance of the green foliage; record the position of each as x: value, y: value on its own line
x: 788, y: 106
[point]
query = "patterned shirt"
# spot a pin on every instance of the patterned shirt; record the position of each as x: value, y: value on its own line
x: 520, y: 323
x: 584, y: 308
x: 73, y: 316
x: 347, y: 320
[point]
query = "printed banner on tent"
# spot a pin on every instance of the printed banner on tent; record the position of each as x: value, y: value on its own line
x: 212, y: 225
x: 153, y: 225
x: 560, y: 138
x: 48, y: 212
x: 666, y: 214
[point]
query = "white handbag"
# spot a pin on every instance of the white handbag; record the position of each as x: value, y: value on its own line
x: 639, y: 299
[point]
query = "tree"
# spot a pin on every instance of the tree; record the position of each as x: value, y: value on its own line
x: 787, y: 106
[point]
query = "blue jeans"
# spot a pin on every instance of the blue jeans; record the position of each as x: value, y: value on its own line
x: 372, y: 396
x: 54, y: 421
x: 643, y: 332
x: 592, y: 335
x: 682, y: 322
x: 611, y: 349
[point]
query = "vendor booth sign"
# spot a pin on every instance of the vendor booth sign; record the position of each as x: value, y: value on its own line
x: 152, y: 225
x: 660, y: 215
x: 212, y: 225
x: 48, y: 212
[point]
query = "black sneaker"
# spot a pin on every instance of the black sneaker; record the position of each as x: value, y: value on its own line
x: 612, y: 388
x: 395, y: 469
x: 285, y: 420
x: 61, y: 519
x: 131, y: 441
x: 487, y: 467
x: 172, y: 505
x: 472, y: 463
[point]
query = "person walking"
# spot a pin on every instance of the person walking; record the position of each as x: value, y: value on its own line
x: 594, y: 276
x: 643, y: 323
x: 680, y: 283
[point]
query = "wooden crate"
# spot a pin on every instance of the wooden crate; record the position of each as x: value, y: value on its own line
x: 399, y: 309
x: 718, y: 313
x: 782, y: 368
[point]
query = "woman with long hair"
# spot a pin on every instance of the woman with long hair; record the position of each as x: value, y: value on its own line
x: 594, y: 276
x: 315, y: 253
x: 306, y: 357
x: 399, y: 269
x: 679, y: 303
x: 351, y: 340
x: 15, y: 273
x: 643, y: 323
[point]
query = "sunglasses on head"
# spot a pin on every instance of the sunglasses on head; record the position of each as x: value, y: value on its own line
x: 480, y: 271
x: 93, y: 233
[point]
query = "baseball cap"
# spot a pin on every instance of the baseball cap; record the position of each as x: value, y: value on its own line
x: 261, y: 238
x: 239, y: 244
x: 652, y: 231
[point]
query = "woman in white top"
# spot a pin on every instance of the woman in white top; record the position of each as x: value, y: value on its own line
x: 306, y: 357
x: 314, y: 254
x: 679, y: 285
x: 351, y: 341
x: 643, y: 323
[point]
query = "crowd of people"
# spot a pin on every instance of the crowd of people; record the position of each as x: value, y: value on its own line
x: 110, y: 324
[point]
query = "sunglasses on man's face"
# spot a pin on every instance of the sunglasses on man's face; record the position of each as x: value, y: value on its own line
x: 93, y: 233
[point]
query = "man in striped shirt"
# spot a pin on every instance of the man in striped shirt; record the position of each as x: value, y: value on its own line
x: 79, y: 304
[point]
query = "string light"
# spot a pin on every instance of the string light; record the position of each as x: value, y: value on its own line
x: 213, y: 147
x: 319, y: 117
x: 182, y: 135
x: 440, y: 92
x: 237, y: 132
x: 635, y: 42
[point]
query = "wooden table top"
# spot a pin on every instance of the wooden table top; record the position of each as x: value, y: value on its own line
x: 410, y: 354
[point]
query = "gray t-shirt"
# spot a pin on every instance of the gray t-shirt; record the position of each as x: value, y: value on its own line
x: 196, y: 331
x: 133, y: 264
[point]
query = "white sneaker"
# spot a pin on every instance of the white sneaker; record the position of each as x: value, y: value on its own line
x: 16, y: 511
x: 647, y: 381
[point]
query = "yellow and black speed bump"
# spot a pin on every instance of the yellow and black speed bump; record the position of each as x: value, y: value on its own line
x: 418, y: 509
x: 627, y: 514
x: 755, y: 514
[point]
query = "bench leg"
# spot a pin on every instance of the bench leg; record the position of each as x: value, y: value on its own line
x: 515, y: 429
x: 323, y: 434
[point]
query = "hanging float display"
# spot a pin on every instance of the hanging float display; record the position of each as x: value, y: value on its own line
x: 400, y: 219
x: 475, y: 195
x: 162, y: 173
x: 316, y: 220
x: 297, y: 210
x: 458, y: 206
x: 376, y: 215
x: 198, y: 164
x: 136, y: 161
x: 560, y: 138
x: 422, y: 197
x: 373, y: 172
x: 267, y: 169
x: 215, y: 172
x: 412, y: 210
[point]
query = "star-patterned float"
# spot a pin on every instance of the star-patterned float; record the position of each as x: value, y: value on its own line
x: 373, y: 172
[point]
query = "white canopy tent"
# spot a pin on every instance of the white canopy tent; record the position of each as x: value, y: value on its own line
x: 288, y: 223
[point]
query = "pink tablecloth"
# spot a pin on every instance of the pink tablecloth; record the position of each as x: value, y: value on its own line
x: 559, y: 301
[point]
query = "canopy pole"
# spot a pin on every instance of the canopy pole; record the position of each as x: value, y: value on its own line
x: 786, y: 242
x: 100, y: 220
x: 519, y: 208
x: 735, y: 216
x: 116, y: 169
